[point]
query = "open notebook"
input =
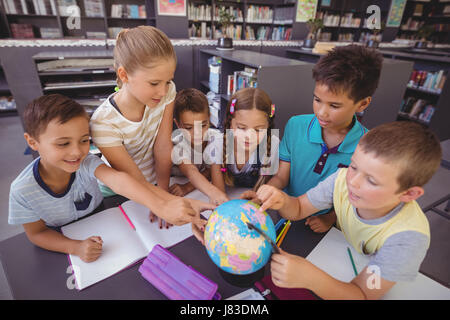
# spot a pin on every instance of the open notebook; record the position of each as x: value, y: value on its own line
x: 331, y: 256
x: 122, y: 245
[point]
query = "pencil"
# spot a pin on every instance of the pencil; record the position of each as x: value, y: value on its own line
x: 353, y: 262
x: 126, y: 217
x: 282, y: 230
x: 286, y: 229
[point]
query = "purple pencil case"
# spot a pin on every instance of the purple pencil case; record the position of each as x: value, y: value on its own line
x: 174, y: 279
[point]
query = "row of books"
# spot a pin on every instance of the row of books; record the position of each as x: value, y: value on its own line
x: 366, y: 36
x: 133, y: 11
x: 281, y: 33
x: 232, y: 31
x: 242, y: 79
x: 200, y: 30
x: 235, y: 12
x: 349, y: 21
x: 199, y: 12
x: 284, y: 15
x: 412, y: 25
x: 38, y: 7
x: 259, y: 14
x: 427, y: 80
x: 329, y: 20
x: 417, y: 109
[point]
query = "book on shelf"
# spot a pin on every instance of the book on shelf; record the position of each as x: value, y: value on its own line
x: 35, y: 7
x: 64, y: 7
x: 414, y: 108
x: 284, y: 15
x: 418, y: 10
x: 281, y: 33
x: 427, y: 80
x: 199, y: 12
x: 259, y: 14
x: 22, y: 30
x: 235, y: 12
x: 245, y: 79
x: 50, y: 33
x: 93, y: 8
x: 133, y: 11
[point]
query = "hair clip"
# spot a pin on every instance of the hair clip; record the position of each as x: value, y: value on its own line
x: 223, y: 169
x: 272, y: 111
x: 233, y: 103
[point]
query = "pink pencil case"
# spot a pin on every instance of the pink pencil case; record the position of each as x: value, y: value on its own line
x: 174, y: 279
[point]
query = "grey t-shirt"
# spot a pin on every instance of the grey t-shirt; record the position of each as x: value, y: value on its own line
x: 400, y: 256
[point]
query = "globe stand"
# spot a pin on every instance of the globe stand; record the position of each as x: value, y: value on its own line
x: 242, y: 280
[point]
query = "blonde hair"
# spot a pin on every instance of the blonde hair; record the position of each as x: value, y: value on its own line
x: 141, y: 47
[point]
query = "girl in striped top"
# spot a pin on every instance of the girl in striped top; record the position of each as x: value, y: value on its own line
x: 133, y: 127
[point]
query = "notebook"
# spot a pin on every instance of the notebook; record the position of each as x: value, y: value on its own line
x: 331, y: 256
x: 122, y: 245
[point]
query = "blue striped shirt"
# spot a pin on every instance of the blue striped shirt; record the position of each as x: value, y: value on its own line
x: 31, y: 200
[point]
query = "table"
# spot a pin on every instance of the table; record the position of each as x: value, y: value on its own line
x: 35, y: 273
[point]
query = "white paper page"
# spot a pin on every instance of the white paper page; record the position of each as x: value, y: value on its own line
x: 150, y: 233
x: 331, y: 256
x: 121, y: 246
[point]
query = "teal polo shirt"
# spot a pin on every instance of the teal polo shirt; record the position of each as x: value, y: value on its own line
x: 311, y: 161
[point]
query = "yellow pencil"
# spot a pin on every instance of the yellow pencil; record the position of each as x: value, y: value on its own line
x: 282, y: 230
x: 286, y: 229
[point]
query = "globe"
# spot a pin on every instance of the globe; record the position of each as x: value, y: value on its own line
x: 232, y: 246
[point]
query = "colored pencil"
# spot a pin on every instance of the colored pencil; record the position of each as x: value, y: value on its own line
x: 286, y: 229
x: 282, y: 230
x: 351, y: 260
x: 126, y: 217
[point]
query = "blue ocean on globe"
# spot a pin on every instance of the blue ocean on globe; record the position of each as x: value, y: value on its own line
x: 231, y: 245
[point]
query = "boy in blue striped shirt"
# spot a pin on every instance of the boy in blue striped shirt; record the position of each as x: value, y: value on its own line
x: 61, y: 186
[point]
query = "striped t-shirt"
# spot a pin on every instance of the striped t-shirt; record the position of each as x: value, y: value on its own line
x: 109, y: 128
x: 31, y: 200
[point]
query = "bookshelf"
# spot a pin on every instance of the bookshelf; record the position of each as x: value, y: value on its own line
x: 277, y: 76
x: 434, y: 13
x: 96, y: 19
x: 7, y: 102
x: 87, y: 77
x: 346, y: 20
x: 426, y: 99
x: 254, y: 20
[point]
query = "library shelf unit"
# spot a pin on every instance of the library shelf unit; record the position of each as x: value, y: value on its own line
x: 394, y: 77
x: 254, y: 19
x: 7, y: 104
x: 50, y: 19
x: 435, y: 13
x: 430, y: 65
x: 87, y: 77
x: 277, y: 76
x: 345, y: 20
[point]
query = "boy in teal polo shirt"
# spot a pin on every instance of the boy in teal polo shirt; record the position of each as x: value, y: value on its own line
x: 316, y: 145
